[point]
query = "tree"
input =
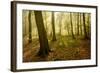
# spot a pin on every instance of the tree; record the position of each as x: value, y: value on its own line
x: 80, y: 23
x: 24, y: 23
x: 30, y: 25
x: 77, y: 23
x: 67, y: 27
x: 68, y: 31
x: 44, y: 46
x: 53, y: 27
x: 59, y: 17
x: 45, y: 17
x: 71, y: 26
x: 84, y: 25
x: 88, y: 24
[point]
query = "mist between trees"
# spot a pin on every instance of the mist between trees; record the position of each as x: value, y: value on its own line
x: 47, y: 32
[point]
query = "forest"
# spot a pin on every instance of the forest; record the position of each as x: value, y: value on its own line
x: 56, y: 36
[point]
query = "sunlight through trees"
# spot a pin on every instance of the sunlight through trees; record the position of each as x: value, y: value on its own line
x: 48, y: 31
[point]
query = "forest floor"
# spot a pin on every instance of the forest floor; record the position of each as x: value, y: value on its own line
x: 62, y: 49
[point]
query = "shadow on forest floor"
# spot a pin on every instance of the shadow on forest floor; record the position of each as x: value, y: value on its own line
x: 63, y: 49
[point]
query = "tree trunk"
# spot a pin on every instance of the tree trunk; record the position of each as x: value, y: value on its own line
x: 89, y: 25
x: 67, y: 26
x: 78, y: 24
x: 53, y: 27
x: 84, y: 25
x: 68, y: 29
x: 71, y: 26
x: 60, y: 23
x: 44, y: 46
x: 46, y: 22
x: 30, y: 29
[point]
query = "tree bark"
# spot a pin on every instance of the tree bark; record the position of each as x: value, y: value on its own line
x: 53, y: 27
x: 30, y: 29
x: 71, y: 26
x: 60, y: 23
x: 89, y: 25
x: 68, y: 29
x: 44, y: 46
x: 84, y: 25
x: 81, y: 24
x: 77, y: 23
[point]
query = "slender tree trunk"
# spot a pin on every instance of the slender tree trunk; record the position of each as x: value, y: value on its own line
x: 68, y: 29
x: 44, y: 46
x: 53, y: 27
x: 30, y: 29
x: 89, y: 25
x: 25, y: 26
x: 60, y: 23
x: 60, y: 29
x: 67, y: 26
x: 84, y: 25
x: 71, y: 26
x: 78, y: 24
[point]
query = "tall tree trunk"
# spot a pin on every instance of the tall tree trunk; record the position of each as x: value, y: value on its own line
x: 25, y: 26
x: 84, y: 25
x: 60, y: 29
x: 80, y: 24
x: 71, y: 26
x: 30, y: 29
x: 77, y: 23
x: 44, y: 46
x: 60, y: 23
x: 68, y: 29
x: 53, y: 27
x: 67, y: 26
x: 89, y: 25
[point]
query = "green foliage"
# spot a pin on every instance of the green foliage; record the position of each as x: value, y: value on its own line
x: 70, y: 29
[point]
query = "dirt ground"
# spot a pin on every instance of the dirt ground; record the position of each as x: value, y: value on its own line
x: 62, y: 49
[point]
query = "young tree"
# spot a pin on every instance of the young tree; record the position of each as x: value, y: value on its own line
x: 84, y: 25
x: 88, y: 24
x: 60, y: 22
x: 30, y: 25
x: 24, y: 23
x: 44, y: 46
x: 53, y: 27
x: 67, y: 27
x: 71, y: 22
x: 80, y: 23
x: 77, y: 23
